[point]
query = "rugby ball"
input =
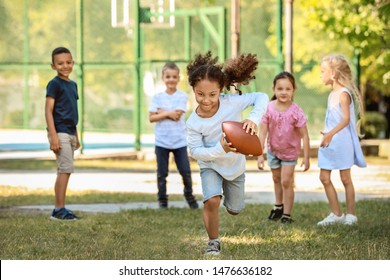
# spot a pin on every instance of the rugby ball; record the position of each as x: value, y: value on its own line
x: 245, y: 143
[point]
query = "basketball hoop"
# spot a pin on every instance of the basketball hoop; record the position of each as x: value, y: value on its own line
x: 153, y: 14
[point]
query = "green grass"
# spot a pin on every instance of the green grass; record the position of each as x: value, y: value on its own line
x: 179, y: 234
x: 18, y: 196
x: 80, y: 164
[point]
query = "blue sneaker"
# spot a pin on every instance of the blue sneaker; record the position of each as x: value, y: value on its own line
x: 63, y: 214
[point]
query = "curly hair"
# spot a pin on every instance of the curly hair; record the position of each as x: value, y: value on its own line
x: 238, y: 70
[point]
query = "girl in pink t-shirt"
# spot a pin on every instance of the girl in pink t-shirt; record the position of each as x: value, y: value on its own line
x: 285, y: 124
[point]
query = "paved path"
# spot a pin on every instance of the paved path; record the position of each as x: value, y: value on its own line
x: 370, y: 182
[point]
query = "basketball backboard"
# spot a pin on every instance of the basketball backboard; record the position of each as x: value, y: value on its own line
x: 153, y: 13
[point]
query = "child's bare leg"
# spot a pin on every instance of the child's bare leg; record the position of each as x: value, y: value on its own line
x: 60, y: 187
x: 346, y: 179
x: 288, y: 188
x: 211, y: 216
x: 330, y: 191
x: 277, y: 178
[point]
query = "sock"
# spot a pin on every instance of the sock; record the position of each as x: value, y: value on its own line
x: 287, y: 215
x: 278, y: 206
x: 217, y: 239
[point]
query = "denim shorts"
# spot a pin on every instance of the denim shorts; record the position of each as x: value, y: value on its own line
x: 275, y: 162
x: 64, y: 157
x: 213, y: 184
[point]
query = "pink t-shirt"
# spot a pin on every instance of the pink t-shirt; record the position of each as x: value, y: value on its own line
x: 284, y: 139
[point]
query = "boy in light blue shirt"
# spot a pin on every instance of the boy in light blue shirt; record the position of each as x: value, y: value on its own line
x: 167, y: 111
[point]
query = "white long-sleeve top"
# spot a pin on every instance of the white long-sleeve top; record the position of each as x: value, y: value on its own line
x: 203, y: 134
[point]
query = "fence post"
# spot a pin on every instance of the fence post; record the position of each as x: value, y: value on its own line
x: 26, y: 70
x: 279, y: 35
x: 137, y: 84
x: 80, y: 70
x: 289, y: 36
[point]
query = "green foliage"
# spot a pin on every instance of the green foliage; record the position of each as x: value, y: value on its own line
x: 319, y: 27
x: 374, y: 125
x: 359, y: 26
x: 178, y: 234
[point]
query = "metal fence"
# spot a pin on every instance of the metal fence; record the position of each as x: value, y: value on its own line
x: 105, y: 67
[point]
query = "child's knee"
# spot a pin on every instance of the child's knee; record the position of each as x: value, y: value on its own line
x: 213, y: 202
x: 325, y: 180
x: 288, y: 182
x: 346, y: 180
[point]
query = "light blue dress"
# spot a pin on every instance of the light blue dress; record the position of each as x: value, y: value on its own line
x: 344, y: 150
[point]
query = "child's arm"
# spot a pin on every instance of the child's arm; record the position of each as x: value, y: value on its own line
x: 227, y: 146
x: 199, y: 151
x: 259, y: 102
x: 306, y: 147
x: 262, y: 135
x: 174, y: 115
x: 250, y: 126
x: 345, y: 100
x: 55, y: 144
x: 77, y: 140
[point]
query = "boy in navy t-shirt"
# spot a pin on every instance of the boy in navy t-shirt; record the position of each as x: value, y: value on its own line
x: 61, y: 118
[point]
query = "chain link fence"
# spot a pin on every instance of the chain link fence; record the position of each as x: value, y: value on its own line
x: 104, y: 58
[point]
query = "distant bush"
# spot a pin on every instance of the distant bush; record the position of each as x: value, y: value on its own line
x: 374, y: 125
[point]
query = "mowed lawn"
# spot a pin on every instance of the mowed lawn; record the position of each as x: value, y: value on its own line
x: 179, y: 234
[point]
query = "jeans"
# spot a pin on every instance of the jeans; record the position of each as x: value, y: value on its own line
x: 182, y: 164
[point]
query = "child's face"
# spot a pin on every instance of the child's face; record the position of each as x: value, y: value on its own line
x: 326, y: 73
x: 284, y: 90
x: 207, y: 96
x: 171, y: 78
x: 63, y: 64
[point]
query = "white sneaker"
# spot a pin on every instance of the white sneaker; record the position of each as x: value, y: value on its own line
x: 331, y: 219
x: 350, y: 219
x: 213, y: 247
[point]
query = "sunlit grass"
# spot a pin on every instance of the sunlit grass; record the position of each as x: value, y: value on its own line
x: 16, y: 196
x: 179, y: 234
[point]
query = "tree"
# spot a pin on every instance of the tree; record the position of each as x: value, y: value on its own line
x: 364, y: 24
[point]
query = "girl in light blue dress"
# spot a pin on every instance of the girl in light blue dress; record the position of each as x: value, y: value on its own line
x: 340, y: 148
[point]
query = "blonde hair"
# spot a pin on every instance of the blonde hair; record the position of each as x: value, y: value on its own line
x: 343, y: 75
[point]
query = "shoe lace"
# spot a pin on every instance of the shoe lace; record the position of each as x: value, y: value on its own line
x: 69, y: 214
x: 213, y: 246
x: 330, y: 217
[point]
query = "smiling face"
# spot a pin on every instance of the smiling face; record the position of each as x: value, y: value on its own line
x: 284, y: 90
x: 207, y: 96
x: 63, y: 64
x: 171, y: 78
